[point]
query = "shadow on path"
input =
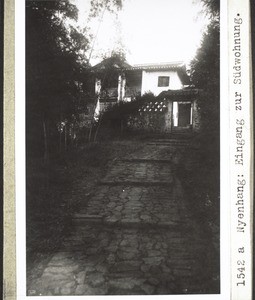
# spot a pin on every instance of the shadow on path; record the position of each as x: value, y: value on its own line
x: 135, y: 235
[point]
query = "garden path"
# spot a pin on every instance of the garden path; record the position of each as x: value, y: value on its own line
x: 135, y: 235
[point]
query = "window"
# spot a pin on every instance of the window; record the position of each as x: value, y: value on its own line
x: 163, y: 81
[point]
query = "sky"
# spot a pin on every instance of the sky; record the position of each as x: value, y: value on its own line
x: 151, y: 31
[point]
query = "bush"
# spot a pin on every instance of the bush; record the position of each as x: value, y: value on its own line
x: 116, y: 116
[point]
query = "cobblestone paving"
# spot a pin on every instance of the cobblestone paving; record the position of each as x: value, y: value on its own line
x: 135, y: 235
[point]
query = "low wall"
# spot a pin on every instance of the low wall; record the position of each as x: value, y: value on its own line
x: 157, y: 117
x: 151, y: 117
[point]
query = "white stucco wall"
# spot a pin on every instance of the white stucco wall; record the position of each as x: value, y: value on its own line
x: 150, y: 82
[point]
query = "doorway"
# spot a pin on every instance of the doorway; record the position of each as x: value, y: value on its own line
x: 182, y: 114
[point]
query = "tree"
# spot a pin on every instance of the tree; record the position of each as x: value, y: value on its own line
x: 57, y: 69
x: 212, y: 8
x: 53, y: 69
x: 205, y: 74
x: 98, y: 6
x: 108, y: 72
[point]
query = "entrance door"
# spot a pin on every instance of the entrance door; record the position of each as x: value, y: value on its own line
x: 184, y: 110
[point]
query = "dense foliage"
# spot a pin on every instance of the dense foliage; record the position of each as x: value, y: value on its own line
x: 58, y: 79
x: 212, y: 8
x: 122, y: 109
x: 53, y: 71
x: 205, y: 74
x: 99, y: 6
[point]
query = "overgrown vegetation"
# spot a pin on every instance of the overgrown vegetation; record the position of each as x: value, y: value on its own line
x: 58, y: 74
x: 115, y: 118
x: 112, y: 123
x: 205, y: 74
x: 203, y: 181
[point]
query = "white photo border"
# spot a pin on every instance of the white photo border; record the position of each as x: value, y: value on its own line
x: 21, y: 167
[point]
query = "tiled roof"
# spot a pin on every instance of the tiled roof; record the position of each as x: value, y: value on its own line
x: 114, y: 62
x: 158, y: 66
x: 183, y: 92
x: 111, y: 62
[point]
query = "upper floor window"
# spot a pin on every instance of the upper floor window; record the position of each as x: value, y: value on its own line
x: 163, y: 81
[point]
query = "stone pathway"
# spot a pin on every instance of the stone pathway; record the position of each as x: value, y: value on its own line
x: 135, y: 235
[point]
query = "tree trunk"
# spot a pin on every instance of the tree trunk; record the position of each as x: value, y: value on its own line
x: 90, y: 130
x: 46, y: 153
x: 65, y: 138
x: 72, y: 137
x: 98, y: 126
x: 60, y: 141
x: 46, y: 147
x: 121, y: 127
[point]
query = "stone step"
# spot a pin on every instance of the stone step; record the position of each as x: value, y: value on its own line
x: 144, y: 160
x: 88, y: 218
x: 134, y: 183
x: 170, y: 140
x: 170, y: 143
x: 84, y: 220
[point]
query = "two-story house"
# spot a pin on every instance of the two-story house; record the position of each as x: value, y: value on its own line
x: 117, y: 81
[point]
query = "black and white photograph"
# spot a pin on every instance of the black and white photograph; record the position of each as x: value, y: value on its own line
x: 122, y: 147
x: 122, y: 112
